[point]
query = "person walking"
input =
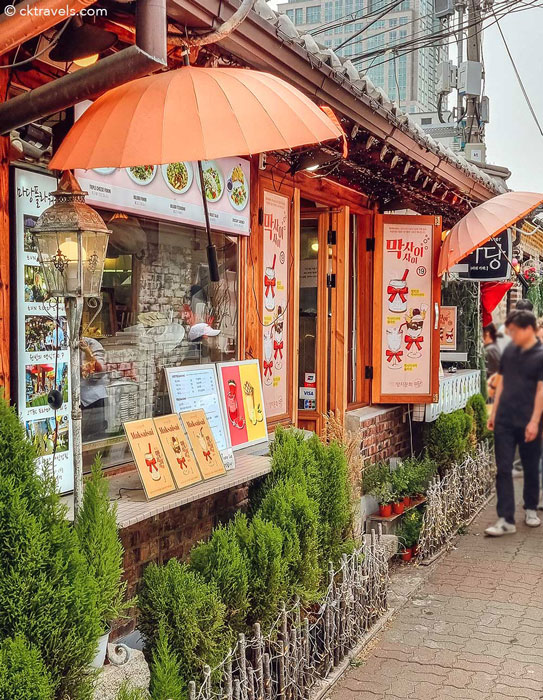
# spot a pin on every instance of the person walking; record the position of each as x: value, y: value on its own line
x: 492, y: 351
x: 516, y: 421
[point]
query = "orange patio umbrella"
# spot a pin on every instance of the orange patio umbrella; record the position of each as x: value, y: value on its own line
x: 193, y: 114
x: 483, y: 223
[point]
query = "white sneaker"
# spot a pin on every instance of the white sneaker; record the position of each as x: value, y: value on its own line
x: 502, y: 527
x: 531, y: 518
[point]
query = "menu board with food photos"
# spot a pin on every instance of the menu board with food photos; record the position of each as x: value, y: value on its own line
x: 150, y: 459
x: 203, y: 443
x: 177, y: 450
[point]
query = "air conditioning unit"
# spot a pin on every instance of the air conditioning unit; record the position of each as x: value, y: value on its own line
x: 443, y: 8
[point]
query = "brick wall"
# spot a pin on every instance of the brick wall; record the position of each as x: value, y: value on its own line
x: 172, y: 534
x: 384, y: 431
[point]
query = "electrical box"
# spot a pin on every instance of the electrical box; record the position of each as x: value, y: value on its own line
x: 446, y: 77
x: 470, y: 76
x: 475, y: 152
x: 443, y: 8
x: 485, y: 110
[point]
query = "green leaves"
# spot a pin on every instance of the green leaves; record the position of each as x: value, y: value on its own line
x: 23, y: 674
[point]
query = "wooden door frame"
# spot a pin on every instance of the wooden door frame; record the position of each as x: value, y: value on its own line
x: 340, y: 312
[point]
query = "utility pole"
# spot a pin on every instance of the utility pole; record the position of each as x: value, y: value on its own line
x: 473, y: 48
x: 460, y: 9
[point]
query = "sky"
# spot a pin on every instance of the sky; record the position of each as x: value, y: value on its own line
x: 512, y: 137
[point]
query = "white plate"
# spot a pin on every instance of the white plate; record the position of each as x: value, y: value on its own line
x: 206, y: 164
x: 149, y: 179
x: 104, y: 171
x: 236, y: 185
x: 190, y: 176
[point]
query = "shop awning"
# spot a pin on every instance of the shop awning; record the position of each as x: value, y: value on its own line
x: 483, y: 223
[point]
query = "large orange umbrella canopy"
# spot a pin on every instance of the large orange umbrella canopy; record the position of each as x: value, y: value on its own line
x: 483, y: 223
x: 193, y: 114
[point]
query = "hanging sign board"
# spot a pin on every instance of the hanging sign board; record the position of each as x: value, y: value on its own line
x: 149, y: 457
x: 43, y: 356
x: 486, y: 263
x: 172, y: 191
x: 406, y: 296
x: 448, y: 327
x: 203, y: 443
x: 241, y: 391
x: 275, y: 231
x: 177, y: 450
x: 195, y: 386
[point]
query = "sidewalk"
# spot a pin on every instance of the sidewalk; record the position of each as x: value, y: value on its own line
x: 472, y: 631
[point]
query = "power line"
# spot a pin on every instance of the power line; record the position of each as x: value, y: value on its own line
x: 519, y: 79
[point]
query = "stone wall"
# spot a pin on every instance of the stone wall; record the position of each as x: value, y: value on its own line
x: 172, y: 534
x: 384, y: 431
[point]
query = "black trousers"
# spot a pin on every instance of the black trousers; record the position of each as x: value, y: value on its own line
x: 506, y: 439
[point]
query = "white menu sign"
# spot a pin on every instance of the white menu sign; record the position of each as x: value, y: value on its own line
x: 42, y: 338
x: 196, y: 386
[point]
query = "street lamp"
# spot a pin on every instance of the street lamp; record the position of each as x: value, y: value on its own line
x: 72, y: 239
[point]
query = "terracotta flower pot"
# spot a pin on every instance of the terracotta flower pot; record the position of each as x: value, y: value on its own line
x: 385, y: 510
x: 406, y: 501
x: 398, y: 508
x: 407, y: 554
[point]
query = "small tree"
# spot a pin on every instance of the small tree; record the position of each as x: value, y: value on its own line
x: 96, y: 528
x: 166, y: 683
x: 222, y: 561
x: 262, y: 543
x: 190, y: 611
x: 23, y: 675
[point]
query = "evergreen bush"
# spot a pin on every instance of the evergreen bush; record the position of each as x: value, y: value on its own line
x: 419, y: 471
x: 96, y: 529
x: 129, y: 692
x: 191, y: 613
x: 222, y: 561
x: 47, y: 594
x: 262, y: 544
x: 480, y: 414
x: 288, y: 505
x: 23, y: 675
x: 166, y: 682
x: 447, y: 437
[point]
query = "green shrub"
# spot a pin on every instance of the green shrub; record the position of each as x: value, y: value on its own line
x: 447, y: 437
x: 96, y: 529
x: 129, y: 692
x: 334, y: 500
x: 23, y: 675
x: 408, y: 532
x: 383, y: 494
x: 222, y: 561
x: 293, y: 459
x: 399, y: 481
x: 166, y: 683
x: 191, y: 613
x: 419, y: 471
x: 262, y: 545
x: 47, y: 593
x: 288, y: 506
x: 375, y: 475
x: 480, y: 414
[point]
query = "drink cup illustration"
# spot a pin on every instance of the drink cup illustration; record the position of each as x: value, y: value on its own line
x: 269, y: 286
x: 394, y: 352
x: 414, y: 338
x: 397, y: 291
x: 268, y: 358
x: 150, y: 462
x: 233, y: 406
x: 278, y: 343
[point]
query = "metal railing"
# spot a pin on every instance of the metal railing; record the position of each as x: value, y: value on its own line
x: 454, y: 392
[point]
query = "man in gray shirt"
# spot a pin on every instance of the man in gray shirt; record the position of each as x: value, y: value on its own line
x: 93, y: 389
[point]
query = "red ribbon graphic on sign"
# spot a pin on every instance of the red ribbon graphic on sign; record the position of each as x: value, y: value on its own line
x: 268, y: 366
x: 393, y: 292
x: 207, y: 455
x: 410, y: 341
x: 269, y: 283
x: 278, y: 347
x: 391, y: 354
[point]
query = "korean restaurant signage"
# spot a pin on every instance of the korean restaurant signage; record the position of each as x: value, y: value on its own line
x: 43, y: 355
x: 487, y: 263
x: 406, y: 351
x: 192, y: 387
x: 172, y: 191
x: 275, y: 340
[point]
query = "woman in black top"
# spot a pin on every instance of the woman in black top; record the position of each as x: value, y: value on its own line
x: 492, y: 351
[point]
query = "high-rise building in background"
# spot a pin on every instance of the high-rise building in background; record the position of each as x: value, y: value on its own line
x: 409, y: 75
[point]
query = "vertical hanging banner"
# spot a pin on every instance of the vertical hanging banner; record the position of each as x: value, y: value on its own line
x: 406, y: 320
x: 275, y: 303
x: 43, y: 357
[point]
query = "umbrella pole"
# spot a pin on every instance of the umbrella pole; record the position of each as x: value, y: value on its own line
x: 211, y: 249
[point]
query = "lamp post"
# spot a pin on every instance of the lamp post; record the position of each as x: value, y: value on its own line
x: 72, y: 239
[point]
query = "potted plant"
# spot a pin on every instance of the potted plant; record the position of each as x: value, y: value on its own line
x: 408, y: 534
x: 384, y: 497
x: 401, y: 482
x: 96, y: 529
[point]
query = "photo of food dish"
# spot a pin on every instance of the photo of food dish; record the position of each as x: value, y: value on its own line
x: 104, y: 171
x: 178, y: 176
x: 142, y: 174
x: 213, y: 180
x: 237, y: 189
